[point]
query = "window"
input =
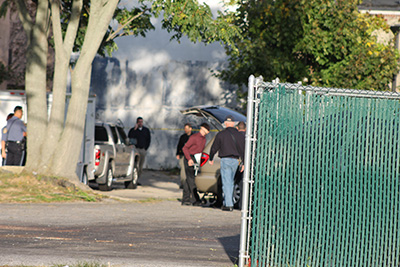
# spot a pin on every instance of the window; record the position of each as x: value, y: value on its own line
x: 122, y: 135
x: 114, y: 134
x: 100, y: 134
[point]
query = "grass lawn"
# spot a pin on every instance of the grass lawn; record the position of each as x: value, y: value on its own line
x: 28, y: 188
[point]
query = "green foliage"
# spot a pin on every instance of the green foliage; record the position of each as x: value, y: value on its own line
x: 180, y: 17
x: 134, y: 21
x: 324, y: 42
x: 344, y: 50
x: 4, y: 8
x: 270, y: 30
x: 188, y: 17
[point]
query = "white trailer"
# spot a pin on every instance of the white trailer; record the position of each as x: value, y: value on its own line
x: 85, y: 166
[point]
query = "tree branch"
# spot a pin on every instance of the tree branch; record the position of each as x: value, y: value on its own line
x: 55, y: 20
x: 121, y: 27
x: 101, y: 13
x: 42, y: 20
x: 73, y: 25
x: 24, y: 16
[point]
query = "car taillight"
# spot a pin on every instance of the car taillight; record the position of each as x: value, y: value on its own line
x: 97, y: 153
x: 204, y: 159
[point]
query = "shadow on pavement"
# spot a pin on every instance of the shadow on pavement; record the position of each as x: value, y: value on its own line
x: 231, y: 246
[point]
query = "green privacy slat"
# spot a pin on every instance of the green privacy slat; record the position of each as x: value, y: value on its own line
x: 326, y: 178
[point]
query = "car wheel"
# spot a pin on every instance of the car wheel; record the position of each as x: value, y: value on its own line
x: 236, y: 196
x: 132, y: 184
x: 109, y: 179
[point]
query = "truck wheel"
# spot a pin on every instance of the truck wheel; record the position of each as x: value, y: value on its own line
x: 132, y: 184
x: 109, y: 179
x: 85, y: 177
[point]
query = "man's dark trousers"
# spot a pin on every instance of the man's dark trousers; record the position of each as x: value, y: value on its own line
x: 14, y: 153
x: 189, y: 187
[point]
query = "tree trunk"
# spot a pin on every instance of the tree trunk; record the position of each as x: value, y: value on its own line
x: 54, y: 146
x: 69, y: 146
x: 35, y: 79
x: 63, y: 50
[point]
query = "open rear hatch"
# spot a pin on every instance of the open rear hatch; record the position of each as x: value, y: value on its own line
x: 215, y: 115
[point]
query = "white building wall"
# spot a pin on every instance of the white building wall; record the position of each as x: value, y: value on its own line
x: 155, y: 78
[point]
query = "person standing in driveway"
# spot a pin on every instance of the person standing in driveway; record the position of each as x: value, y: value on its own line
x: 193, y: 146
x: 3, y: 140
x: 230, y: 145
x: 15, y: 138
x: 179, y: 153
x: 143, y: 138
x: 241, y: 126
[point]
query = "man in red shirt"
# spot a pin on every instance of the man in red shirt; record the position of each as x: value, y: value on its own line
x: 194, y: 145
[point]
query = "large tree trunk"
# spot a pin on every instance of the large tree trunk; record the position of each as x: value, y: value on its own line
x: 35, y: 79
x: 68, y: 148
x: 54, y: 146
x: 63, y: 50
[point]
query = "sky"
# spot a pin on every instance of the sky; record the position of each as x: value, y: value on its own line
x: 157, y: 45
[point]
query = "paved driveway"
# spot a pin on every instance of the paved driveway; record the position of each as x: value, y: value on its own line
x: 120, y: 233
x: 155, y: 184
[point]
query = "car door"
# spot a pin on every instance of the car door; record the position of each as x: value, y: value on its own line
x: 118, y: 150
x: 125, y: 152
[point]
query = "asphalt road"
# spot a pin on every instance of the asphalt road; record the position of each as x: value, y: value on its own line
x: 120, y: 232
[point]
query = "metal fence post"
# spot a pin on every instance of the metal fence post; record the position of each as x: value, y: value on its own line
x: 243, y: 253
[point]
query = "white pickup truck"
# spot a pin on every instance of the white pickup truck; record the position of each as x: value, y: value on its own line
x: 115, y: 159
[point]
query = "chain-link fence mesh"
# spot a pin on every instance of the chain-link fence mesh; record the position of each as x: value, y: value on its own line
x: 325, y: 177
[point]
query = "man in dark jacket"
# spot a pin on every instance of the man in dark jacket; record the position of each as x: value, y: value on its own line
x: 142, y: 138
x: 179, y: 153
x: 229, y: 144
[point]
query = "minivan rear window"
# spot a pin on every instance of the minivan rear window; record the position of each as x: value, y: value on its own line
x: 100, y: 134
x: 220, y: 113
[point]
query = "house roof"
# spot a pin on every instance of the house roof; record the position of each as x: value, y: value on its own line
x: 383, y: 5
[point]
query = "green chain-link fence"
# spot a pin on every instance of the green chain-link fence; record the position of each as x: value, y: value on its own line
x: 325, y: 177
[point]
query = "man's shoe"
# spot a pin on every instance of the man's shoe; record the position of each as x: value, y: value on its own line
x: 186, y: 203
x: 224, y: 208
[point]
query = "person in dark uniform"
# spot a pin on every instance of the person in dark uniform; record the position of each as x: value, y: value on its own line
x: 193, y: 146
x: 179, y: 153
x: 141, y: 135
x: 230, y: 145
x: 15, y: 138
x: 3, y: 140
x: 241, y: 126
